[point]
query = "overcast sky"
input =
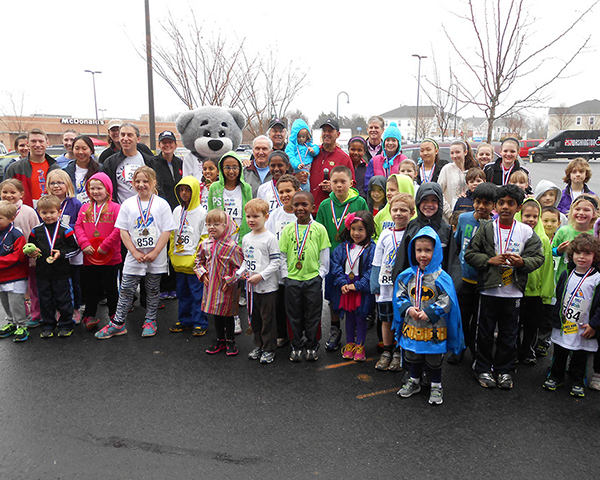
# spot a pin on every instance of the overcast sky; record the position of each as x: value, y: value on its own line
x: 363, y: 48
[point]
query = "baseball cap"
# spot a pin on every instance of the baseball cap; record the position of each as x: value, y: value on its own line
x: 277, y: 121
x: 332, y: 123
x: 167, y: 135
x: 115, y: 122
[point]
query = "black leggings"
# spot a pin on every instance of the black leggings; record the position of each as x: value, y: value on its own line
x: 224, y: 327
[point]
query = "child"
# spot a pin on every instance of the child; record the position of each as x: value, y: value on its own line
x: 549, y: 195
x: 452, y: 176
x: 301, y: 150
x: 430, y: 164
x: 189, y: 219
x: 279, y: 164
x: 396, y: 183
x: 351, y: 268
x: 59, y: 183
x: 475, y: 176
x: 343, y: 200
x: 54, y: 245
x: 210, y: 174
x: 376, y: 197
x: 500, y: 171
x: 539, y: 289
x: 409, y: 167
x: 484, y: 155
x: 503, y: 252
x: 261, y: 270
x: 551, y: 221
x: 287, y: 186
x: 402, y: 208
x: 582, y: 216
x: 521, y: 180
x: 427, y: 317
x: 218, y: 258
x: 577, y: 175
x: 12, y: 191
x: 145, y: 222
x: 13, y: 266
x: 100, y: 242
x: 389, y: 161
x: 576, y: 315
x: 357, y: 151
x: 468, y: 297
x: 230, y: 193
x: 304, y: 249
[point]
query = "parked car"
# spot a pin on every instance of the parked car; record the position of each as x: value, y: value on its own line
x: 526, y: 145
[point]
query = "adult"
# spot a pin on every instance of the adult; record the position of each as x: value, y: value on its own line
x: 452, y: 177
x: 330, y: 156
x: 68, y: 138
x: 32, y: 171
x: 114, y: 142
x: 278, y: 134
x: 168, y: 167
x: 375, y: 127
x: 121, y: 166
x: 258, y: 171
x: 21, y: 147
x: 83, y: 167
x: 357, y: 150
x: 508, y: 163
x: 430, y: 165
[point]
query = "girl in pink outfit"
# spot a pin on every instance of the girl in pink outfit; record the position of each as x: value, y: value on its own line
x: 100, y: 242
x: 12, y: 191
x: 388, y: 162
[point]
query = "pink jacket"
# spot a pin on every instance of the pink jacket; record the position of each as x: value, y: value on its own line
x: 378, y: 165
x: 85, y: 227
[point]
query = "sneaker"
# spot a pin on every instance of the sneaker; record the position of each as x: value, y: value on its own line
x: 595, y: 382
x: 335, y: 337
x: 311, y: 355
x: 7, y: 330
x: 454, y: 359
x: 384, y: 361
x: 111, y: 330
x: 76, y: 316
x: 396, y: 363
x: 178, y: 328
x: 255, y: 354
x: 33, y: 323
x: 199, y: 331
x: 409, y: 388
x: 281, y: 342
x: 21, y: 334
x: 267, y: 357
x: 551, y: 385
x: 231, y: 348
x: 359, y: 353
x: 242, y: 302
x: 296, y: 355
x: 542, y: 349
x: 529, y: 361
x: 216, y: 347
x: 90, y: 323
x: 47, y: 334
x: 486, y: 380
x: 164, y: 295
x: 237, y: 329
x: 348, y: 351
x: 149, y: 328
x: 172, y: 296
x: 505, y: 381
x: 578, y: 391
x: 436, y: 396
x: 64, y: 332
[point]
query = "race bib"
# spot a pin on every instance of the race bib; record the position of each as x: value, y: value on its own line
x: 128, y: 172
x: 144, y: 237
x: 82, y: 197
x: 279, y: 226
x: 66, y: 220
x: 183, y: 242
x: 385, y: 275
x: 233, y: 207
x: 252, y: 259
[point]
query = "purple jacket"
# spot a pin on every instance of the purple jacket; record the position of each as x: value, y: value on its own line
x: 565, y: 202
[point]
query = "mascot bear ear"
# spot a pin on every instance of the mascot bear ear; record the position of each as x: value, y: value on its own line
x: 183, y: 120
x: 238, y: 117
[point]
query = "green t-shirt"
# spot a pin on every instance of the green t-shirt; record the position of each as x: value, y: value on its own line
x: 564, y: 234
x: 317, y: 240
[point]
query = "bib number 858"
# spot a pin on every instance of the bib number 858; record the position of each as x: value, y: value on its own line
x: 145, y: 242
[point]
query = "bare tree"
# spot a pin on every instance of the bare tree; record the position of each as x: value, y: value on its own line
x: 505, y: 58
x: 561, y: 118
x: 13, y: 117
x: 539, y: 127
x: 294, y: 115
x: 425, y: 125
x: 517, y: 125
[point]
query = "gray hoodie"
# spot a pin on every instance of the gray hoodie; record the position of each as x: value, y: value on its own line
x: 546, y: 185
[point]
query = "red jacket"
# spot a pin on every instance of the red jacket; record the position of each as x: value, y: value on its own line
x: 13, y: 263
x: 21, y: 170
x: 326, y: 160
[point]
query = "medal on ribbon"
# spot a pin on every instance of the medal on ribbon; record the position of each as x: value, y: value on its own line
x: 351, y: 275
x: 96, y: 215
x: 51, y: 241
x: 336, y: 221
x: 301, y: 243
x: 145, y: 219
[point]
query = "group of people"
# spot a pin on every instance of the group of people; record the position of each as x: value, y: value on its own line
x: 440, y: 256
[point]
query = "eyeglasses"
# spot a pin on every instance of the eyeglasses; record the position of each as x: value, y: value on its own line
x: 232, y: 169
x: 213, y: 225
x: 56, y: 184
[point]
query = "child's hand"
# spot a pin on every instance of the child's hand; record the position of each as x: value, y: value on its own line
x: 151, y: 256
x: 514, y: 260
x: 423, y: 316
x: 301, y: 166
x: 101, y: 252
x: 55, y: 254
x: 255, y: 279
x: 497, y: 260
x: 226, y: 287
x: 204, y: 279
x: 311, y: 150
x: 139, y: 256
x: 588, y: 331
x: 89, y: 250
x: 348, y: 288
x: 562, y: 247
x: 413, y: 312
x: 36, y: 253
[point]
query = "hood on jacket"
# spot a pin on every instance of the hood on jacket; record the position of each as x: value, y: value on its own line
x: 381, y: 182
x: 436, y: 260
x: 544, y: 186
x: 405, y: 183
x: 194, y: 185
x: 352, y: 196
x: 298, y: 125
x: 539, y: 227
x: 233, y: 155
x: 106, y: 181
x: 430, y: 188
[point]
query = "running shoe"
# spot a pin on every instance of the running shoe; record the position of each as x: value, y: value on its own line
x: 149, y: 328
x: 111, y: 330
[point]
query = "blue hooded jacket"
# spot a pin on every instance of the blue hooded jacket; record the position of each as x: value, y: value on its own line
x: 442, y: 331
x: 298, y: 153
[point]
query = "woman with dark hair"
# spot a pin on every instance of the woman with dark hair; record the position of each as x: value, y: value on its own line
x: 83, y: 167
x: 430, y: 164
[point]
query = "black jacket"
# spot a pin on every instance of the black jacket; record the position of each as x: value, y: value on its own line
x: 494, y: 173
x: 436, y: 171
x: 110, y: 168
x: 65, y: 243
x: 165, y: 180
x: 106, y: 154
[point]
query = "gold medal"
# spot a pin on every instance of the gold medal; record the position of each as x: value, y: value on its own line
x: 180, y: 241
x: 96, y: 233
x: 351, y: 276
x: 145, y: 232
x: 299, y: 265
x: 50, y: 260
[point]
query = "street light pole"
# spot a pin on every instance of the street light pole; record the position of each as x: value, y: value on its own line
x: 420, y: 57
x: 337, y: 111
x: 455, y: 110
x: 94, y: 72
x: 151, y: 118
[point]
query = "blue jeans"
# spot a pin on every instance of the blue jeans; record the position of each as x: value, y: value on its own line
x: 189, y: 295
